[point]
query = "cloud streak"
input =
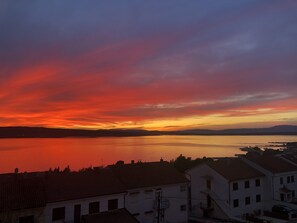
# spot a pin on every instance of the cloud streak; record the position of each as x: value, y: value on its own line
x: 125, y: 65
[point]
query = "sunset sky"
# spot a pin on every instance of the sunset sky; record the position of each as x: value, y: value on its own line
x: 148, y: 64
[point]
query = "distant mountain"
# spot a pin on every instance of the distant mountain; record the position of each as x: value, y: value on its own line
x: 276, y: 130
x: 40, y: 132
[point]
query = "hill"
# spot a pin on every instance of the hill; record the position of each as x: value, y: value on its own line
x: 41, y: 132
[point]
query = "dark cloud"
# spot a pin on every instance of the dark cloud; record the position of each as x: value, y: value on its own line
x: 104, y: 61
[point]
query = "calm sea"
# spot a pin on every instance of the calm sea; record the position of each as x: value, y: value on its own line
x: 42, y: 154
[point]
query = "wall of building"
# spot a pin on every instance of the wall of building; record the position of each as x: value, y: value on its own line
x: 242, y: 193
x: 267, y: 184
x: 178, y: 197
x: 219, y: 187
x: 222, y: 192
x: 139, y: 202
x: 69, y: 206
x: 272, y: 184
x: 142, y: 203
x: 290, y: 185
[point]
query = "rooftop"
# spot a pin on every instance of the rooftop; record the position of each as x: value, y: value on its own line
x: 272, y: 163
x: 16, y: 194
x: 292, y: 157
x: 151, y: 174
x: 32, y: 190
x: 234, y: 169
x: 76, y: 185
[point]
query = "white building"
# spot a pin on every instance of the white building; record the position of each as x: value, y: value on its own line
x: 280, y: 177
x: 149, y: 191
x: 115, y: 216
x: 155, y: 190
x: 69, y: 196
x: 226, y: 188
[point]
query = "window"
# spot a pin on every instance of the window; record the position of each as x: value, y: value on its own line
x: 292, y: 179
x: 235, y: 186
x: 183, y: 207
x: 27, y: 219
x: 208, y: 201
x: 281, y: 180
x: 183, y: 188
x: 293, y: 193
x: 247, y: 184
x: 257, y: 182
x: 247, y: 200
x: 235, y: 203
x: 77, y: 213
x: 288, y: 179
x: 58, y: 214
x: 208, y: 184
x: 94, y: 207
x: 258, y: 198
x: 112, y: 204
x: 282, y: 197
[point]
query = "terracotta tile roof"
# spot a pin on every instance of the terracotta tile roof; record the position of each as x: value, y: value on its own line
x: 291, y: 157
x: 116, y: 216
x: 272, y: 163
x: 140, y: 175
x: 234, y: 169
x: 16, y: 194
x: 70, y: 186
x: 31, y: 190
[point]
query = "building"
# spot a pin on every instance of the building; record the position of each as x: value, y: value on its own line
x: 226, y: 188
x: 22, y: 199
x: 115, y: 216
x: 140, y: 192
x: 290, y: 157
x: 69, y: 196
x: 280, y: 177
x: 156, y: 191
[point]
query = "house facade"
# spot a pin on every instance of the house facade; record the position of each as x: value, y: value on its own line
x: 156, y: 192
x: 73, y: 195
x: 219, y: 191
x: 73, y: 210
x: 168, y: 203
x: 142, y: 192
x: 280, y: 177
x: 115, y: 216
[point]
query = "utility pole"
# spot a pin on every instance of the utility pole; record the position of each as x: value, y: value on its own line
x: 158, y: 207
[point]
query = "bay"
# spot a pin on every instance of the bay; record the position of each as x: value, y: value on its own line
x: 40, y: 154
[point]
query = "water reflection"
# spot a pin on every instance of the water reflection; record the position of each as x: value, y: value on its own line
x: 42, y: 154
